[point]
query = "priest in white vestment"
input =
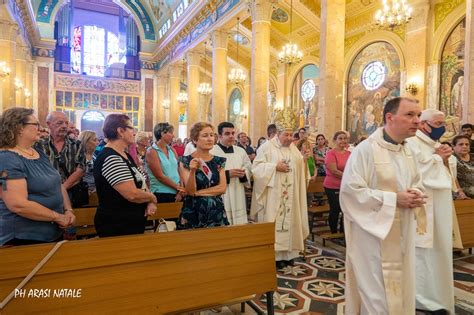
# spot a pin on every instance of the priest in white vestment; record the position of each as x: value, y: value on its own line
x: 281, y: 176
x: 434, y: 249
x: 237, y: 172
x: 380, y: 193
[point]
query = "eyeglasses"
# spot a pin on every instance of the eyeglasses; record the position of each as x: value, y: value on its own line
x: 37, y: 124
x: 129, y: 127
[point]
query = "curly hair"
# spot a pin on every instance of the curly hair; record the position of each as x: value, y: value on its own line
x: 11, y: 123
x: 196, y: 129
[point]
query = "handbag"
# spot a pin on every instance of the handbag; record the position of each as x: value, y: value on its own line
x: 166, y: 226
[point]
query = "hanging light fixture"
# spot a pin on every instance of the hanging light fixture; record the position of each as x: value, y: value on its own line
x: 182, y: 96
x: 391, y: 17
x: 4, y: 70
x: 18, y: 84
x: 204, y: 88
x: 237, y: 75
x: 290, y: 53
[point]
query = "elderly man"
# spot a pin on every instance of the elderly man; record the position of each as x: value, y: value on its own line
x: 380, y: 193
x: 66, y: 155
x: 280, y: 177
x: 244, y: 143
x: 434, y: 254
x: 237, y: 173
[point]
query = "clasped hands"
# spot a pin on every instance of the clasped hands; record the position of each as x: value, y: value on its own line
x: 444, y: 151
x: 283, y: 166
x: 411, y: 198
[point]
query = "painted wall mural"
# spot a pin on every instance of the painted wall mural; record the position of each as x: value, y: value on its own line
x: 373, y: 79
x: 304, y: 96
x: 75, y: 82
x: 45, y: 9
x: 452, y: 78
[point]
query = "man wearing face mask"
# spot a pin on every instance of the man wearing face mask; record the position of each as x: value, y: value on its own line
x: 434, y: 259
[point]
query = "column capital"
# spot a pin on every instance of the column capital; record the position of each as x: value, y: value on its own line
x: 175, y: 71
x: 219, y: 39
x: 261, y: 10
x: 9, y: 31
x: 193, y: 58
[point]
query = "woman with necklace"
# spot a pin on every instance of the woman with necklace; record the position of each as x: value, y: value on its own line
x: 31, y: 196
x: 465, y: 165
x: 124, y: 200
x: 203, y: 175
x: 336, y: 160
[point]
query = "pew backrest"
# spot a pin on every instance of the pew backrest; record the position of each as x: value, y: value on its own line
x: 465, y: 215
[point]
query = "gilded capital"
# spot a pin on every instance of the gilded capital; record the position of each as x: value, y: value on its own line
x: 175, y: 71
x: 261, y: 10
x: 8, y: 31
x: 219, y: 39
x: 193, y: 58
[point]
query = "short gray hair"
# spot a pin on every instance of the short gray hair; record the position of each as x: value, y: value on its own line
x: 430, y: 114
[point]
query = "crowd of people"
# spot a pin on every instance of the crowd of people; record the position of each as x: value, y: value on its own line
x: 371, y: 187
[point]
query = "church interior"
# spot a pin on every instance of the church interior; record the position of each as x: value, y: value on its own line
x: 334, y: 63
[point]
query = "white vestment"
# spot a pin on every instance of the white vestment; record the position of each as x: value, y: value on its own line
x: 189, y: 149
x: 234, y: 197
x: 370, y: 215
x: 281, y: 197
x: 434, y: 254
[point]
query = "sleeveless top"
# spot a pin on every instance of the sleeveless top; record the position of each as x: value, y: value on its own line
x: 169, y: 167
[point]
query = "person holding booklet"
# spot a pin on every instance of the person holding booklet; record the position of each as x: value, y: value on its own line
x: 203, y: 175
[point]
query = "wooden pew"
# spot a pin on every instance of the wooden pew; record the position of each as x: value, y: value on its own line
x: 85, y: 217
x: 157, y: 273
x: 316, y: 213
x: 465, y: 215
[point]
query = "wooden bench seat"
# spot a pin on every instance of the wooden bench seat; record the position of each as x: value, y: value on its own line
x: 329, y: 236
x: 465, y: 215
x: 158, y: 273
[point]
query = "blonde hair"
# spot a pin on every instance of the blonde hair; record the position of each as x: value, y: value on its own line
x: 141, y: 135
x: 85, y: 136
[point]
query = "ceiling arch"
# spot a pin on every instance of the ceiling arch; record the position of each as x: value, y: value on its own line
x: 46, y: 11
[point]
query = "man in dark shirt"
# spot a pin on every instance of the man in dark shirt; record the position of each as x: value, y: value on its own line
x: 243, y: 142
x: 467, y: 130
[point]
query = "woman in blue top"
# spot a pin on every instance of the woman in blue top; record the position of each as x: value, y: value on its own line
x: 34, y: 207
x: 204, y: 179
x: 162, y: 166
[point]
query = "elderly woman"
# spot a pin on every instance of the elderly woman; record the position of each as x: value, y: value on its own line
x: 162, y: 166
x: 31, y: 196
x: 90, y: 142
x: 204, y: 178
x: 124, y: 202
x: 465, y: 165
x: 336, y: 160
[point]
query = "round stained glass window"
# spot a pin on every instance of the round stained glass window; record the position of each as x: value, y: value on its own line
x: 308, y: 90
x: 93, y: 115
x: 373, y: 75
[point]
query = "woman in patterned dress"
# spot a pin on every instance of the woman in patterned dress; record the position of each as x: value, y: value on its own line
x: 204, y: 178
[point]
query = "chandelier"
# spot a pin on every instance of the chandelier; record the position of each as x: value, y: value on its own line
x: 4, y: 70
x: 237, y: 75
x: 204, y: 88
x: 393, y: 16
x: 290, y: 54
x: 182, y: 96
x: 18, y: 84
x: 166, y: 103
x: 27, y: 93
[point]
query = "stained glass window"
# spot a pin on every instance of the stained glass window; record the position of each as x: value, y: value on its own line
x: 94, y: 50
x: 93, y: 115
x: 308, y: 90
x: 373, y: 75
x: 76, y: 50
x: 112, y: 48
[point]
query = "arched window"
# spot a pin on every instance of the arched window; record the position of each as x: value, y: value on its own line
x: 94, y: 49
x: 452, y: 77
x: 304, y: 95
x: 374, y: 78
x: 235, y: 107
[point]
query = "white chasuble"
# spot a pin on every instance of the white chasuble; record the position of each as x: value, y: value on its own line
x: 281, y: 197
x: 234, y: 197
x: 434, y: 254
x: 380, y: 238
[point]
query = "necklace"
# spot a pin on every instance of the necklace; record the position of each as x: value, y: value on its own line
x: 25, y: 151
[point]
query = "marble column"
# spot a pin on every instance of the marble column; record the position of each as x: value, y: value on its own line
x: 416, y: 53
x: 8, y: 34
x: 29, y: 81
x: 261, y: 11
x: 21, y: 64
x: 193, y: 59
x: 159, y: 111
x: 468, y: 103
x: 332, y: 67
x: 174, y: 82
x: 219, y: 76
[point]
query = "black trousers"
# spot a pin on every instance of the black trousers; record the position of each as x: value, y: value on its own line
x: 165, y: 197
x: 334, y: 210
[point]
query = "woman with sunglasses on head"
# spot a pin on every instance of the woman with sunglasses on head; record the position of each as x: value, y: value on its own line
x: 34, y: 207
x: 124, y: 202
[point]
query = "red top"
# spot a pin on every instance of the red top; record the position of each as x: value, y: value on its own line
x: 340, y: 158
x: 179, y: 149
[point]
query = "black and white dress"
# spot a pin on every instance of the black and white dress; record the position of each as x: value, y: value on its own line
x: 116, y: 215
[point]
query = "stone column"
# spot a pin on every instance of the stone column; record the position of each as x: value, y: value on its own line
x: 21, y: 64
x: 160, y: 88
x: 174, y: 82
x: 416, y: 52
x: 261, y: 11
x: 332, y: 66
x: 193, y: 59
x: 8, y: 34
x: 29, y: 81
x: 468, y: 103
x: 219, y: 76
